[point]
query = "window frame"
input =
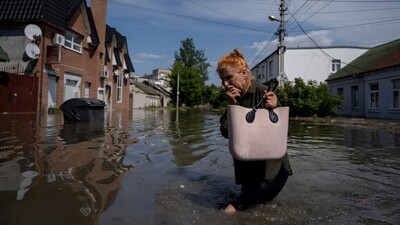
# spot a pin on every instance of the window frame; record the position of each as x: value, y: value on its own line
x: 119, y: 88
x: 374, y: 95
x: 396, y: 94
x: 271, y: 68
x: 73, y: 41
x: 354, y: 97
x: 336, y: 65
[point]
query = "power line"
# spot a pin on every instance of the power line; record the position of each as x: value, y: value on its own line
x: 185, y: 16
x: 356, y: 25
x: 319, y: 47
x: 355, y: 11
x: 360, y: 1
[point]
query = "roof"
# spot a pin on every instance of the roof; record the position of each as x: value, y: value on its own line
x: 157, y: 87
x: 110, y: 31
x: 128, y: 62
x: 121, y: 42
x: 145, y: 88
x: 53, y: 12
x: 117, y: 56
x: 56, y: 13
x: 380, y: 57
x: 93, y: 35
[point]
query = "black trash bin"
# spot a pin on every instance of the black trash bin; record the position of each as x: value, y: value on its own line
x: 83, y: 109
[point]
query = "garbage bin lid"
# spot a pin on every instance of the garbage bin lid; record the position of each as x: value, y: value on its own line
x: 76, y: 102
x: 70, y: 108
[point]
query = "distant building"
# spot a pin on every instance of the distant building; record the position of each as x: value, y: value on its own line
x: 161, y: 77
x: 370, y: 85
x: 308, y: 63
x: 146, y: 94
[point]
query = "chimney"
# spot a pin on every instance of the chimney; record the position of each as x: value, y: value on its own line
x: 99, y: 11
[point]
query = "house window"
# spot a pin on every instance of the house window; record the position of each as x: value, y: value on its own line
x: 258, y: 74
x: 271, y: 68
x: 340, y: 92
x: 73, y: 42
x: 335, y: 65
x: 263, y: 72
x: 396, y: 93
x: 354, y: 96
x: 119, y: 88
x: 374, y: 96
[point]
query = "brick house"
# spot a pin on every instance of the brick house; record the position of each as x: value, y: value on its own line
x: 118, y: 66
x: 60, y: 48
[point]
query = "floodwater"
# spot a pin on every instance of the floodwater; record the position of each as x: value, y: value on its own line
x: 162, y: 167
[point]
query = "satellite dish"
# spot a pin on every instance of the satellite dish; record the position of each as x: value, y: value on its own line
x: 32, y: 50
x: 32, y: 32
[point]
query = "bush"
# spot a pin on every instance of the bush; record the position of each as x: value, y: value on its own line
x: 54, y: 110
x: 308, y: 100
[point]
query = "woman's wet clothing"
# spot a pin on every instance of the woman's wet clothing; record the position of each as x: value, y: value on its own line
x: 261, y: 180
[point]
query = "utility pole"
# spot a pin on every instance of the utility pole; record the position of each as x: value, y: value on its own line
x: 177, y: 93
x: 177, y: 100
x: 281, y: 47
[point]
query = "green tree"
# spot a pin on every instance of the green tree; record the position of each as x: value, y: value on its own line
x: 309, y: 99
x: 192, y: 67
x: 216, y: 96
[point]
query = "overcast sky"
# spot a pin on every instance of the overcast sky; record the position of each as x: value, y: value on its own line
x: 155, y: 28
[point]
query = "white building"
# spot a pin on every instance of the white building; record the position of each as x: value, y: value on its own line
x: 308, y: 63
x: 161, y: 77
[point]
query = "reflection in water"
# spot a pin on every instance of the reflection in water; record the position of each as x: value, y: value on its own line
x: 59, y: 174
x: 161, y: 166
x: 187, y: 137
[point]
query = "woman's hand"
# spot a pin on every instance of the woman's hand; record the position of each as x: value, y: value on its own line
x: 270, y: 100
x: 232, y: 92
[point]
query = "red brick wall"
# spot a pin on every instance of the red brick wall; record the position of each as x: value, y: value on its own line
x: 87, y: 64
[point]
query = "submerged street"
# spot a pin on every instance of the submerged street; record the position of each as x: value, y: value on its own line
x: 159, y: 166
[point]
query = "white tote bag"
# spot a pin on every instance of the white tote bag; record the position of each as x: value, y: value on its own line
x: 259, y: 139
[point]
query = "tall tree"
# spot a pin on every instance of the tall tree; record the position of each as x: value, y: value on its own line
x: 192, y: 67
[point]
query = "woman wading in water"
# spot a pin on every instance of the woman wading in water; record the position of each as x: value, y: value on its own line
x: 261, y: 180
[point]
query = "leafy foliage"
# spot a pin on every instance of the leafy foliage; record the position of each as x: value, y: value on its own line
x: 191, y: 67
x: 308, y: 100
x: 216, y: 96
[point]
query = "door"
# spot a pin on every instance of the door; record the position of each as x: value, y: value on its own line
x: 51, y: 102
x: 72, y: 86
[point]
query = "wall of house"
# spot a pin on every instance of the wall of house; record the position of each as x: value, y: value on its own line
x: 346, y: 84
x: 71, y: 64
x: 385, y: 109
x: 306, y: 63
x: 139, y: 100
x: 315, y: 64
x: 267, y: 69
x: 99, y: 11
